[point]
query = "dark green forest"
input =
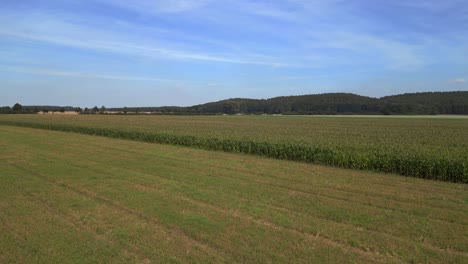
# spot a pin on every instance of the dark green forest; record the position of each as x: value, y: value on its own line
x: 330, y: 103
x: 428, y: 103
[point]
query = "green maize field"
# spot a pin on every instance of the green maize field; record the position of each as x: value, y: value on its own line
x: 425, y: 147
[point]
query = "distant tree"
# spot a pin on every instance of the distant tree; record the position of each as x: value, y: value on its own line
x: 17, y: 107
x: 5, y: 110
x: 386, y: 111
x: 62, y: 110
x: 86, y: 110
x: 45, y: 110
x: 95, y: 109
x: 102, y: 110
x: 229, y: 108
x: 125, y: 110
x: 36, y: 109
x: 78, y: 110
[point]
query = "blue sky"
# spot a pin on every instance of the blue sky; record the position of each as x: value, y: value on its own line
x: 185, y: 52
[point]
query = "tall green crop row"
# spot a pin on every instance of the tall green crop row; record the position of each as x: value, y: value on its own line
x: 421, y: 166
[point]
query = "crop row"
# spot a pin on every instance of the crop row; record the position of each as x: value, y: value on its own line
x: 407, y: 164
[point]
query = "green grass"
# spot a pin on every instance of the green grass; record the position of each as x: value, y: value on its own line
x: 67, y: 197
x: 424, y: 147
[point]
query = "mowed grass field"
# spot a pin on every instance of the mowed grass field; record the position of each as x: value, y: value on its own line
x: 426, y: 147
x: 66, y: 197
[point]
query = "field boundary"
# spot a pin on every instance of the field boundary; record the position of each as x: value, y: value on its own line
x: 412, y: 165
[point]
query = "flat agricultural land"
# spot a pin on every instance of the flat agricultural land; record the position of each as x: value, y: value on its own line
x: 434, y: 147
x: 66, y: 197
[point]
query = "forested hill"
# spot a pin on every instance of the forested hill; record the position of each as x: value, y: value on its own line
x: 304, y: 104
x: 439, y: 103
x: 330, y: 103
x: 336, y: 103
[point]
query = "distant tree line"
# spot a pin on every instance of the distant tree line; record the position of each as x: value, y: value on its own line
x: 33, y: 109
x: 331, y: 103
x: 429, y: 103
x: 94, y: 110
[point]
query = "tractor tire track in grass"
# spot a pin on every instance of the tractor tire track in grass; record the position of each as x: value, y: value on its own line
x: 262, y: 183
x: 371, y: 256
x: 288, y: 211
x: 237, y: 214
x: 174, y: 230
x: 321, y: 190
x: 125, y: 183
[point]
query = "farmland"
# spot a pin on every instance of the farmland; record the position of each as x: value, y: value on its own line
x: 425, y: 147
x: 66, y: 197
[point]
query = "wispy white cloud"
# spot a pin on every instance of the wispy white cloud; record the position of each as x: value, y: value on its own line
x: 429, y: 5
x: 389, y: 53
x: 277, y: 47
x: 240, y: 41
x: 159, y: 6
x: 265, y: 9
x: 73, y: 34
x: 52, y: 72
x: 261, y: 8
x: 458, y: 80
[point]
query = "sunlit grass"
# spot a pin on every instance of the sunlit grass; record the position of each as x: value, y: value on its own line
x: 74, y: 198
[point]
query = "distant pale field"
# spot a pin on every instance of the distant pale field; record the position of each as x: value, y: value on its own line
x: 396, y: 116
x: 67, y: 197
x: 58, y: 113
